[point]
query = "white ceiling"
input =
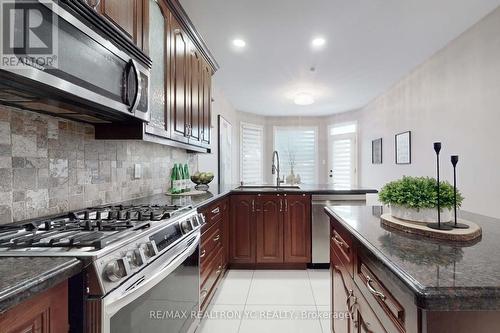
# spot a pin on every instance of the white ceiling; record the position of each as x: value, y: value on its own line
x: 371, y: 44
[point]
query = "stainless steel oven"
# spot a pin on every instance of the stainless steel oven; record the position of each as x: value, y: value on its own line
x: 162, y: 298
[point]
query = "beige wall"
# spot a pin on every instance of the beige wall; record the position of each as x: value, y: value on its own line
x: 454, y: 98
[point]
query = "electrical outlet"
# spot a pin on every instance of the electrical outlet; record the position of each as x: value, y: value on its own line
x: 137, y: 171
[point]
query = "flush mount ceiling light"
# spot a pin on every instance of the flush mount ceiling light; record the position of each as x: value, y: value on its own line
x: 239, y: 43
x: 318, y: 42
x: 303, y: 99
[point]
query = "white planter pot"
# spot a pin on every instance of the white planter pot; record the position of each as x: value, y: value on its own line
x: 421, y: 215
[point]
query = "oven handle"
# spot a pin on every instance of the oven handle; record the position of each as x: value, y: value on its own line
x: 112, y: 304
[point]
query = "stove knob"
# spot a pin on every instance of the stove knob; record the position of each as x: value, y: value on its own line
x: 149, y: 249
x: 115, y: 270
x: 135, y: 258
x: 186, y: 226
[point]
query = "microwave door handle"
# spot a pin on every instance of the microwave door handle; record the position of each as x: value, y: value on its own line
x: 137, y: 97
x: 122, y: 299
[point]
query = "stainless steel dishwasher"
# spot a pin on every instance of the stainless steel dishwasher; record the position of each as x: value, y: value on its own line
x: 321, y: 224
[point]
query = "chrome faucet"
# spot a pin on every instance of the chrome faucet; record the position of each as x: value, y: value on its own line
x: 276, y: 168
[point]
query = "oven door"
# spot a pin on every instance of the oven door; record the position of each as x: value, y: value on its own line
x: 164, y: 297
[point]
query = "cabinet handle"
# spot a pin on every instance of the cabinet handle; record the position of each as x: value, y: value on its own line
x: 350, y: 307
x: 203, y: 253
x: 253, y: 205
x: 216, y: 211
x: 281, y: 205
x: 216, y: 238
x: 286, y: 205
x: 219, y: 269
x: 203, y: 293
x: 338, y: 241
x: 372, y: 290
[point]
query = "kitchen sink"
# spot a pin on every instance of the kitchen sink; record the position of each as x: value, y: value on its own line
x: 269, y: 187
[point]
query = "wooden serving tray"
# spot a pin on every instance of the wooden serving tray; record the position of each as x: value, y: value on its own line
x: 419, y: 228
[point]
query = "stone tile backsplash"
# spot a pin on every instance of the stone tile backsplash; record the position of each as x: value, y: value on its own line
x: 50, y: 165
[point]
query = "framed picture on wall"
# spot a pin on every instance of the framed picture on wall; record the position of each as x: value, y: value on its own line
x: 377, y: 151
x: 225, y: 149
x: 403, y: 148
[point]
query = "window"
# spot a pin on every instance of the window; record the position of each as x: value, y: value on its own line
x: 251, y: 162
x: 297, y: 147
x: 343, y: 151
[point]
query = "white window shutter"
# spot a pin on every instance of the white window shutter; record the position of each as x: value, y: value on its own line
x: 252, y: 140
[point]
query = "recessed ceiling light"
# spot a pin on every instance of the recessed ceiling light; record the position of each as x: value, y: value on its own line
x: 318, y: 42
x: 239, y: 43
x: 303, y: 99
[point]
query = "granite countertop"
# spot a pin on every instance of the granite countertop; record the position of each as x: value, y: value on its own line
x: 442, y: 275
x: 216, y: 192
x: 23, y: 277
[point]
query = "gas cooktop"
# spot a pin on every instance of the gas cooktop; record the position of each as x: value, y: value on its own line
x: 89, y: 229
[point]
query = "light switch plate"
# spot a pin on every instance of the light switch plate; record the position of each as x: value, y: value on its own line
x: 137, y: 171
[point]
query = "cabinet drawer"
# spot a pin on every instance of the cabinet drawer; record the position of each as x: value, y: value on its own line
x: 384, y: 304
x: 214, y: 272
x: 214, y: 213
x: 341, y: 242
x: 211, y: 240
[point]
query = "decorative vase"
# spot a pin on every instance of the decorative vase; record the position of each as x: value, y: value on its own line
x: 290, y: 179
x: 423, y: 215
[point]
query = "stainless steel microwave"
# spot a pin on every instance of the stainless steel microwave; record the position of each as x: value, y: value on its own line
x: 91, y: 78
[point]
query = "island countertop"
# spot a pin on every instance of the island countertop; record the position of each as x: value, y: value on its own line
x: 442, y: 275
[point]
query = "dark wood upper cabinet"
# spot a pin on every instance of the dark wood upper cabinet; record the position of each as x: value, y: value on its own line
x: 242, y: 230
x: 206, y: 104
x: 181, y: 76
x: 269, y: 229
x: 130, y: 17
x: 179, y: 80
x: 196, y: 97
x: 297, y: 223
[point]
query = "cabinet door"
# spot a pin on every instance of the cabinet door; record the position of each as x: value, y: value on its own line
x: 242, y: 229
x: 342, y: 297
x: 44, y: 313
x: 159, y: 37
x: 297, y: 228
x: 179, y: 80
x: 196, y: 97
x: 206, y: 113
x: 130, y: 17
x: 269, y: 229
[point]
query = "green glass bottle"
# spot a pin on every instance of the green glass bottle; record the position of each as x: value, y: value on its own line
x: 182, y: 177
x: 178, y: 179
x: 187, y: 177
x: 173, y: 180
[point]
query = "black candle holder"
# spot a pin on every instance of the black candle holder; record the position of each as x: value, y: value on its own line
x: 438, y: 225
x: 456, y: 225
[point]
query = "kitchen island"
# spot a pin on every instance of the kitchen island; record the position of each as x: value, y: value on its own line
x: 405, y: 283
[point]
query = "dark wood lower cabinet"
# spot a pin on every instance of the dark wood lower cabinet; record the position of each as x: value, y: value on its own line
x: 270, y: 231
x: 297, y: 222
x: 213, y: 249
x: 269, y: 235
x: 242, y: 230
x: 44, y: 313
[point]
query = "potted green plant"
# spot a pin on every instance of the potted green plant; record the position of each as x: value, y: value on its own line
x: 415, y: 199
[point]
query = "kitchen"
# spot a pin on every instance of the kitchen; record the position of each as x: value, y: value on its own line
x: 236, y: 166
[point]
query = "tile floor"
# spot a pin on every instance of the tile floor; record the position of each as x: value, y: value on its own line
x: 271, y: 301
